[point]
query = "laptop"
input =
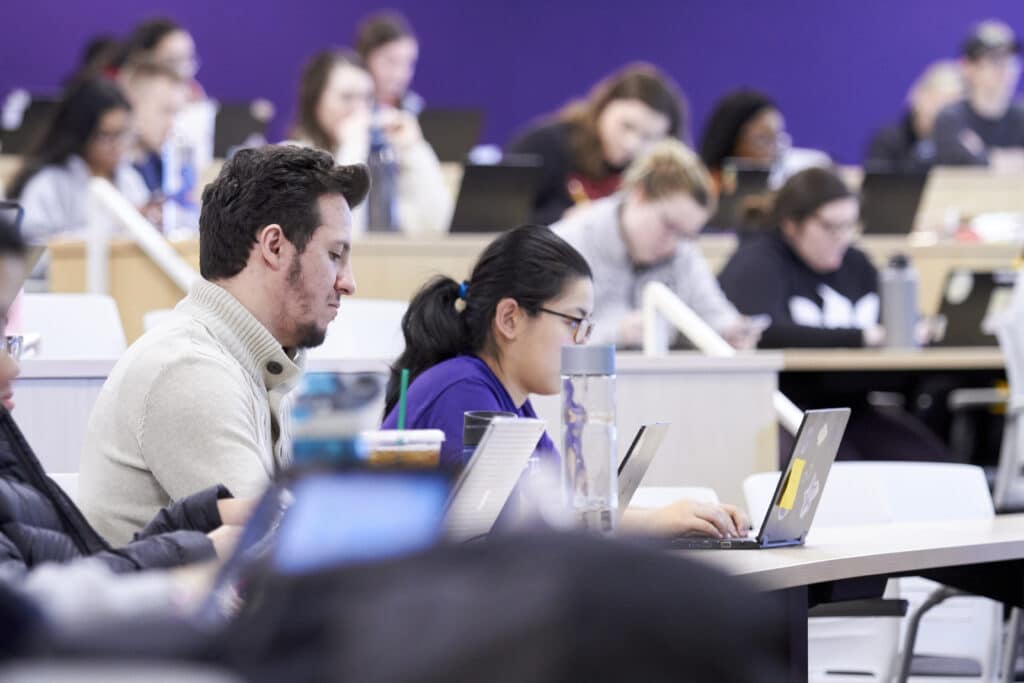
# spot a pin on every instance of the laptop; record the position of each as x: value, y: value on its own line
x: 487, y: 481
x: 493, y: 198
x: 971, y: 301
x: 373, y: 513
x: 452, y: 132
x: 328, y: 518
x: 239, y: 125
x: 798, y: 492
x: 889, y: 201
x: 638, y: 459
x: 740, y: 181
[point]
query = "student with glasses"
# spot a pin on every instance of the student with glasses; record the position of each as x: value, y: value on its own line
x: 821, y: 291
x: 88, y: 137
x: 645, y: 233
x: 491, y: 341
x: 804, y: 272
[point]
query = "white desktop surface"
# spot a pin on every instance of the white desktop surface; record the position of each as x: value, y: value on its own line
x: 836, y: 553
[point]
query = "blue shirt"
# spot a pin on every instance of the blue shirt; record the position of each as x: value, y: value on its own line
x: 439, y: 396
x: 151, y: 168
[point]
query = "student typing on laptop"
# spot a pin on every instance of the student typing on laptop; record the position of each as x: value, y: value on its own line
x: 197, y: 401
x: 488, y: 343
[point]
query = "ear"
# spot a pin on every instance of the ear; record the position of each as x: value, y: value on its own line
x: 790, y: 230
x: 507, y: 320
x: 272, y: 247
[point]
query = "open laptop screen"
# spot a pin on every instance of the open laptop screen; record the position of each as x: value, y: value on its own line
x: 798, y: 492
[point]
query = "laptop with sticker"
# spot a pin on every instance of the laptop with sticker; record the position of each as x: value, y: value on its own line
x: 799, y: 489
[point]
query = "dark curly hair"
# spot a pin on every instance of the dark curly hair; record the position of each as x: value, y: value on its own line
x: 260, y: 186
x: 723, y: 128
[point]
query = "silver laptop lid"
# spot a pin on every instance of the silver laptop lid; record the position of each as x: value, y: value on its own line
x: 489, y: 477
x: 799, y: 489
x: 638, y: 458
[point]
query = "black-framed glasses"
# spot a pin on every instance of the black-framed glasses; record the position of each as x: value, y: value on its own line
x: 581, y: 327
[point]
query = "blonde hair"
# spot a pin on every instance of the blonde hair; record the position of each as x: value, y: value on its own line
x: 669, y: 167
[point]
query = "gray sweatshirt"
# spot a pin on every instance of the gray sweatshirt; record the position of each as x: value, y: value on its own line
x: 618, y: 285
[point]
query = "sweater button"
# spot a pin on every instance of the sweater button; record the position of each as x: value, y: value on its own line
x: 274, y: 368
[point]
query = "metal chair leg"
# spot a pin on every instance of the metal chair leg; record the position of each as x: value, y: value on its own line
x: 1009, y: 665
x: 939, y: 596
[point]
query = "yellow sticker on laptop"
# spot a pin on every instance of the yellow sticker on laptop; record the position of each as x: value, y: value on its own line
x: 796, y: 471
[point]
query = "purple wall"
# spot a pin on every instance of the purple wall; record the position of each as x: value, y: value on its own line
x: 838, y: 68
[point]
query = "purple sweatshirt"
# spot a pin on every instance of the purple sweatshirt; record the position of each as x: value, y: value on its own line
x: 440, y: 395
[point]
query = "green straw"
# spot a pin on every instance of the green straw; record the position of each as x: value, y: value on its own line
x: 403, y: 390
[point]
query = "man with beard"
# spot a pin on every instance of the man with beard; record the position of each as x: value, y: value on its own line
x: 197, y: 401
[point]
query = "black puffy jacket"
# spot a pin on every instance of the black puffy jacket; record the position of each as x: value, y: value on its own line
x: 39, y: 523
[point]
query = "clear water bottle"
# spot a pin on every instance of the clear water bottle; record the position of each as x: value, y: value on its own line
x: 383, y: 165
x: 180, y: 211
x: 329, y: 412
x: 898, y: 284
x: 588, y: 430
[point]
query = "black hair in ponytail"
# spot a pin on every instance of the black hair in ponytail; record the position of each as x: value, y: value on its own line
x: 530, y: 264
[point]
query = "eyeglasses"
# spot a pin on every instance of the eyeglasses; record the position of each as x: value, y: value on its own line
x: 838, y: 229
x: 581, y: 327
x: 13, y: 345
x: 112, y: 137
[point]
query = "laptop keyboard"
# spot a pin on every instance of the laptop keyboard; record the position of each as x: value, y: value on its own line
x: 694, y: 543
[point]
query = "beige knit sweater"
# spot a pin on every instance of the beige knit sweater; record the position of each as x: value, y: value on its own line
x: 194, y: 402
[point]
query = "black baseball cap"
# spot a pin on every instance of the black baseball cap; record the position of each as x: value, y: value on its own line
x: 991, y: 37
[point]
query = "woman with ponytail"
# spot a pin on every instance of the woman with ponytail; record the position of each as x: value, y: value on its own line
x: 488, y: 343
x: 491, y: 341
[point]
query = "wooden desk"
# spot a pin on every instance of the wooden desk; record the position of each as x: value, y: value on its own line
x: 136, y: 284
x: 396, y: 266
x: 967, y: 191
x: 984, y: 557
x: 723, y: 426
x: 937, y: 358
x: 835, y: 553
x: 932, y: 259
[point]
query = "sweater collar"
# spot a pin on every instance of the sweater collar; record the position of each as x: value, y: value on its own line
x: 243, y: 335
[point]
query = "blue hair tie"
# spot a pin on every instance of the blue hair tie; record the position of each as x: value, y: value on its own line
x: 463, y: 290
